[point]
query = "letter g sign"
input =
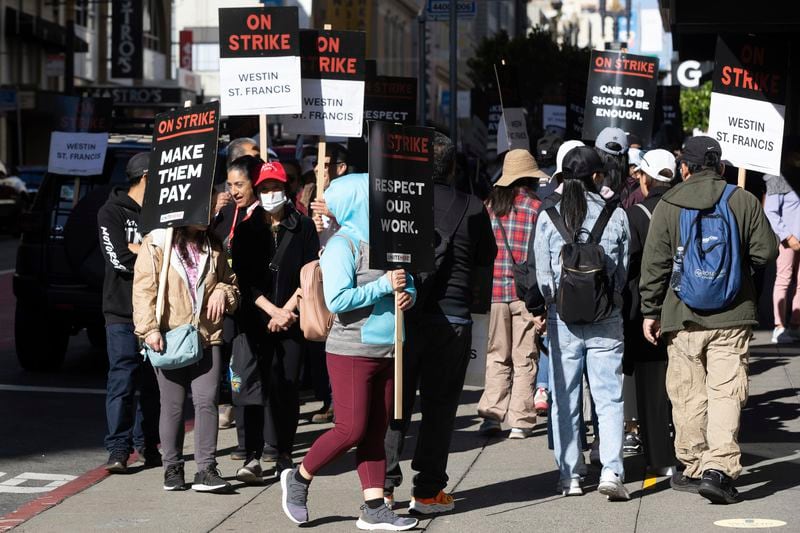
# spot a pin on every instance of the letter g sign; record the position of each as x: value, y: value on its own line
x: 689, y: 73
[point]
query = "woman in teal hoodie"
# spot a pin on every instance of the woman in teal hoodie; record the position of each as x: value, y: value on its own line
x: 359, y: 350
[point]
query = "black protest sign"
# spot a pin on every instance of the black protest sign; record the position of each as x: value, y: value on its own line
x: 401, y: 232
x: 751, y: 67
x: 620, y: 93
x: 387, y: 98
x: 182, y: 164
x: 333, y: 71
x: 127, y: 33
x: 259, y: 66
x: 669, y: 119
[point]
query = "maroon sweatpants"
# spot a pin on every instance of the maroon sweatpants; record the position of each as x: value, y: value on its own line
x: 362, y: 403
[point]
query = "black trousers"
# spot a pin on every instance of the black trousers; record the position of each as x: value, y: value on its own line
x: 436, y: 359
x: 280, y: 363
x: 655, y: 413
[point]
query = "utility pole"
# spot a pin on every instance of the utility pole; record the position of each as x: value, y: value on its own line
x: 422, y: 84
x: 453, y: 72
x: 69, y: 59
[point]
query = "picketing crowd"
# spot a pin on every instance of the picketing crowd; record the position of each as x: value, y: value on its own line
x: 619, y: 283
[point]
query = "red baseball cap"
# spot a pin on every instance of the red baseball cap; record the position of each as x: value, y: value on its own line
x: 271, y: 170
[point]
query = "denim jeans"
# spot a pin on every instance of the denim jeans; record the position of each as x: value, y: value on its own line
x: 543, y: 375
x: 131, y: 423
x: 597, y: 347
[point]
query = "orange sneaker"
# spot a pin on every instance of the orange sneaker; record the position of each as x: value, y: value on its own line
x: 441, y: 503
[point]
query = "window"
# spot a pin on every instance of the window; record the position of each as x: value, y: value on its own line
x: 154, y: 31
x: 205, y: 57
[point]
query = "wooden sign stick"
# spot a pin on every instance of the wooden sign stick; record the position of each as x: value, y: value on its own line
x: 398, y: 358
x: 742, y: 177
x: 263, y: 136
x: 162, y: 276
x: 321, y: 149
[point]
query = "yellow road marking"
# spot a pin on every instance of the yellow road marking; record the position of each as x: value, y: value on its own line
x: 649, y: 481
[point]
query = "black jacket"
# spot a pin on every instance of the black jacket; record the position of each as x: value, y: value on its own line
x: 118, y: 224
x: 467, y: 266
x: 252, y: 250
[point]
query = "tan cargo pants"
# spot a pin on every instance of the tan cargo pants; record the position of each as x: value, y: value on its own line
x: 510, y: 367
x: 707, y: 385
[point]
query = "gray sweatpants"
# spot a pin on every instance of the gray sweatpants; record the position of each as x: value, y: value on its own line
x: 203, y: 378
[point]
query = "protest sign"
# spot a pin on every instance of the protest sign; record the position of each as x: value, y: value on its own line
x: 259, y: 65
x: 387, y: 98
x: 512, y: 132
x: 554, y: 115
x: 620, y: 93
x: 181, y: 173
x: 333, y: 70
x: 77, y: 154
x: 748, y: 101
x: 576, y: 98
x: 401, y: 197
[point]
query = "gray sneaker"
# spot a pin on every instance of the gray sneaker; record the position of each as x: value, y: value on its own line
x: 384, y: 519
x: 295, y: 497
x: 250, y: 473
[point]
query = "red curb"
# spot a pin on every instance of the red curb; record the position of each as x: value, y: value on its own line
x: 56, y: 496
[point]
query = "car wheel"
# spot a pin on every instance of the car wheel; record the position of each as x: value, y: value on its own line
x: 39, y: 351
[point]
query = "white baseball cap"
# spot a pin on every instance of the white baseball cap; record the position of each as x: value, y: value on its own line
x: 562, y: 151
x: 635, y: 157
x: 654, y: 161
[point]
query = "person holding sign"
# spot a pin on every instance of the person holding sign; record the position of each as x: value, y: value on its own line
x: 200, y: 289
x: 360, y: 348
x: 268, y: 250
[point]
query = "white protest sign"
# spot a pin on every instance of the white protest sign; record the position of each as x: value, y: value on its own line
x: 748, y: 101
x: 554, y: 115
x: 334, y: 71
x: 77, y: 154
x: 512, y: 132
x: 259, y: 65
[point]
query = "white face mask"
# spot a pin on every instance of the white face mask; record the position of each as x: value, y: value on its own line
x: 272, y: 201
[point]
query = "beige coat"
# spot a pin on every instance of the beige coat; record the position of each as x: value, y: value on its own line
x: 215, y: 273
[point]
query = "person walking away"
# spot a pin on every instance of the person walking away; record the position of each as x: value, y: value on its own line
x: 584, y: 321
x: 132, y: 422
x: 201, y: 288
x: 511, y: 353
x: 268, y: 250
x: 782, y: 207
x: 360, y: 348
x: 612, y: 147
x: 646, y: 362
x: 439, y: 336
x: 703, y: 301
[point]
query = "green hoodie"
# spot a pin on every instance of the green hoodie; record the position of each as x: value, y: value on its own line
x: 702, y: 191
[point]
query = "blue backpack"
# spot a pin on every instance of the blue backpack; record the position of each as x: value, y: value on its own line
x: 712, y: 266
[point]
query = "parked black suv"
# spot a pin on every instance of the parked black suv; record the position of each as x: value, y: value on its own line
x: 59, y: 276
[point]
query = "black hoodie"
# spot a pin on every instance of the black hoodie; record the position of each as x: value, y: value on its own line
x: 118, y: 224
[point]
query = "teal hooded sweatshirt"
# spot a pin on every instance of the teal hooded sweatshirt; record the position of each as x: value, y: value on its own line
x: 362, y: 298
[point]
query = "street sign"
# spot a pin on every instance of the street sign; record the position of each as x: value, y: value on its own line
x: 140, y: 96
x: 186, y: 37
x: 440, y: 9
x: 181, y: 173
x: 127, y: 39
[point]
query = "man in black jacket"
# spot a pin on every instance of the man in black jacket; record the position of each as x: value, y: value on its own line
x: 439, y: 335
x: 130, y: 423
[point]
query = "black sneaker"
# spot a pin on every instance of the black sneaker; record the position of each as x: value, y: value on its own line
x: 117, y: 463
x: 210, y: 480
x: 632, y: 445
x: 150, y: 457
x: 283, y: 463
x: 174, y: 478
x: 682, y: 483
x: 717, y: 487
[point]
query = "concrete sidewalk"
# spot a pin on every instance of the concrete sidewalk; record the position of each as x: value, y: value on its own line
x: 499, y: 484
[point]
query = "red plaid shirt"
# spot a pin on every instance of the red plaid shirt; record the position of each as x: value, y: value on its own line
x: 518, y: 225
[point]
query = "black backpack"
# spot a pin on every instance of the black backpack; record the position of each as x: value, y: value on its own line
x: 584, y: 290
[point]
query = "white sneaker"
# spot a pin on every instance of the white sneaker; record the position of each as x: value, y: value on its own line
x: 569, y: 487
x: 781, y: 336
x: 520, y: 433
x: 388, y: 499
x: 250, y: 473
x: 611, y: 486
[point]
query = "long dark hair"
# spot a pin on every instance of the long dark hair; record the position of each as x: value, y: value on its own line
x: 501, y: 199
x: 183, y: 239
x: 573, y: 199
x: 616, y: 169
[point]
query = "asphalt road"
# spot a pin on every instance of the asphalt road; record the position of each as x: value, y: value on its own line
x: 52, y: 424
